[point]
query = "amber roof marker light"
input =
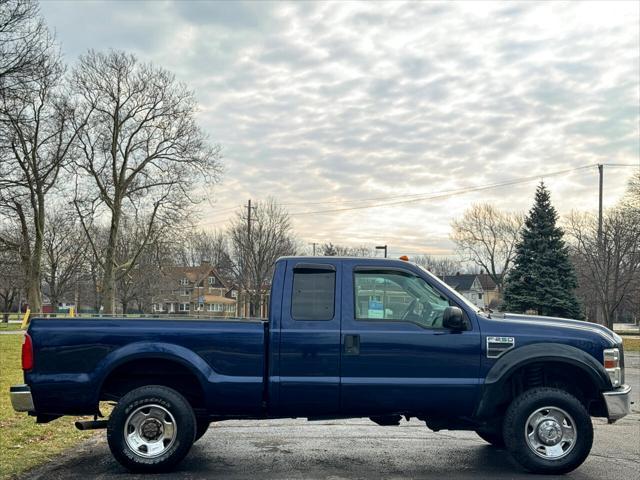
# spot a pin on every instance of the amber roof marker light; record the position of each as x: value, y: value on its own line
x: 404, y: 258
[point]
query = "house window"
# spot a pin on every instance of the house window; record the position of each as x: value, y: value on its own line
x: 212, y: 281
x: 184, y: 307
x: 186, y: 292
x: 480, y: 296
x: 184, y: 282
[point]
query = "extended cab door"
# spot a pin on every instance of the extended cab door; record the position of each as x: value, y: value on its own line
x: 309, y: 360
x: 396, y: 355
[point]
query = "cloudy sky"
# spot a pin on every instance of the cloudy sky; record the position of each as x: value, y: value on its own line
x: 331, y: 106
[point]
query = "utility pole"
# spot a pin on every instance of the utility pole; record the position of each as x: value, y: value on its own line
x: 249, y: 221
x: 599, y: 308
x: 247, y: 258
x: 601, y: 173
x: 314, y: 248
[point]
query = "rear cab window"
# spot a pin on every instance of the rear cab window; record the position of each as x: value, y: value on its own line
x: 314, y: 293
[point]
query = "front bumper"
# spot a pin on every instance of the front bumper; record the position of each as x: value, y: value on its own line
x: 21, y: 398
x: 618, y: 402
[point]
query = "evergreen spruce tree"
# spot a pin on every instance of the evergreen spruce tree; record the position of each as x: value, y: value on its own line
x: 542, y: 278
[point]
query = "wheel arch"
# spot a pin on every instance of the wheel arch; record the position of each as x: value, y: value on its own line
x: 587, y: 372
x: 165, y: 354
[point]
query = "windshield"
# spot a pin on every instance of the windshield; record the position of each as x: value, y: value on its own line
x: 455, y: 294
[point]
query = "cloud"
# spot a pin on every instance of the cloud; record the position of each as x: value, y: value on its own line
x: 338, y: 102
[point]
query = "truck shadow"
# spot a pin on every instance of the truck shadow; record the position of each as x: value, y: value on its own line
x: 308, y: 453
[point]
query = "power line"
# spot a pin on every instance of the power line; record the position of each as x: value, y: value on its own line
x: 449, y: 193
x: 408, y: 195
x: 417, y: 197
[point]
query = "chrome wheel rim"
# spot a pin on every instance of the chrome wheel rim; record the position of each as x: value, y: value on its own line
x: 550, y: 433
x: 150, y: 431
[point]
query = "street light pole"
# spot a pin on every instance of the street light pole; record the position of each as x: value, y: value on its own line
x: 382, y: 247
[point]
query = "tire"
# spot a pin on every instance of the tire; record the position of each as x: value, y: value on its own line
x: 162, y: 429
x: 494, y: 437
x: 202, y: 425
x: 548, y: 430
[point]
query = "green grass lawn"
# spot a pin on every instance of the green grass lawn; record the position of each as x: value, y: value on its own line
x: 631, y: 344
x: 23, y: 444
x: 10, y: 326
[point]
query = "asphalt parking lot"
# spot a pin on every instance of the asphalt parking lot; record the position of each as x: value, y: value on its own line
x: 358, y: 449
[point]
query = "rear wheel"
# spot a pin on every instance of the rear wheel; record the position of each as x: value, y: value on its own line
x: 202, y: 425
x: 151, y: 429
x: 548, y: 430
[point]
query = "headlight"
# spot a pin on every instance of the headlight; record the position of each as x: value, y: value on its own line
x: 612, y: 365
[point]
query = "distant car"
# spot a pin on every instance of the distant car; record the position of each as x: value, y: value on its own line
x: 346, y: 337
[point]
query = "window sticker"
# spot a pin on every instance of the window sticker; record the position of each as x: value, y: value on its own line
x: 375, y: 309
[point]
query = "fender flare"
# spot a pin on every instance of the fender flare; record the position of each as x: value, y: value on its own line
x: 536, y: 353
x: 145, y: 350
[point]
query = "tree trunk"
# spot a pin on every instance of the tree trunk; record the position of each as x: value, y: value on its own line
x: 34, y: 278
x: 109, y: 277
x: 33, y: 293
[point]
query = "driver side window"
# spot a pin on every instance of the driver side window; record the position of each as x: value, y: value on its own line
x: 397, y: 296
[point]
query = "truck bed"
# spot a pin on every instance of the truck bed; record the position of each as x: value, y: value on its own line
x: 75, y: 356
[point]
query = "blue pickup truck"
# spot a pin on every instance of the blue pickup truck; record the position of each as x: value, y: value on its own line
x: 346, y: 337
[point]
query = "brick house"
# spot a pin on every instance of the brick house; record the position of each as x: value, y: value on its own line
x: 195, y: 291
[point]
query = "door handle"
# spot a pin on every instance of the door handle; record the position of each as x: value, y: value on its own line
x: 352, y: 344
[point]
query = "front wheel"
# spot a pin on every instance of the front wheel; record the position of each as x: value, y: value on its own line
x: 151, y: 429
x: 548, y: 430
x: 494, y: 437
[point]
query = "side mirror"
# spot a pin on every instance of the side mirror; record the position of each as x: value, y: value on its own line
x: 453, y: 319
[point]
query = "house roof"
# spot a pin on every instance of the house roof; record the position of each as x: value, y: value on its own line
x: 217, y: 299
x: 195, y: 275
x: 487, y: 282
x: 460, y: 282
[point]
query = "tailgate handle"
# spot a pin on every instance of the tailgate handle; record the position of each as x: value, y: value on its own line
x: 352, y: 344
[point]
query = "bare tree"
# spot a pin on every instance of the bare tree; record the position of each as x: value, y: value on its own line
x: 25, y: 46
x: 143, y: 154
x: 65, y: 252
x: 609, y: 271
x: 198, y: 246
x: 137, y: 282
x: 36, y: 139
x: 94, y: 268
x: 331, y: 250
x: 11, y: 281
x: 258, y: 245
x: 487, y: 237
x: 439, y: 266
